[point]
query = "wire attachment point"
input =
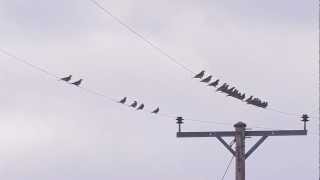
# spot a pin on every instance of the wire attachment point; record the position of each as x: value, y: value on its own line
x: 179, y: 122
x: 305, y: 119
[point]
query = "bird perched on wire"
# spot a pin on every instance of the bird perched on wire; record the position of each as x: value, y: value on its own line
x: 223, y: 88
x: 68, y: 78
x: 215, y: 83
x: 264, y: 104
x: 249, y: 100
x: 200, y: 75
x: 242, y: 97
x: 140, y: 107
x: 207, y: 79
x: 156, y: 111
x: 134, y: 104
x: 230, y: 91
x: 122, y: 101
x: 77, y: 83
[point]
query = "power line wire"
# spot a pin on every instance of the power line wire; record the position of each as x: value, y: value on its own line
x: 93, y: 92
x: 228, y: 167
x: 229, y: 163
x: 142, y: 37
x: 282, y: 112
x: 160, y: 50
x: 90, y: 91
x: 186, y: 118
x: 28, y: 63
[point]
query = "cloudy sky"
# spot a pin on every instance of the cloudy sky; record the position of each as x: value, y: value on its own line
x: 51, y: 130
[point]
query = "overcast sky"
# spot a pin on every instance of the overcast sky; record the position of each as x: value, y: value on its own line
x: 50, y: 130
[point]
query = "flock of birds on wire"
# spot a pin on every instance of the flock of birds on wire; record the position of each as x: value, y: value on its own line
x: 134, y: 104
x: 224, y: 88
x: 68, y: 78
x: 230, y: 91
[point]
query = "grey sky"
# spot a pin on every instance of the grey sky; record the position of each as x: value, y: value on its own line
x: 51, y: 131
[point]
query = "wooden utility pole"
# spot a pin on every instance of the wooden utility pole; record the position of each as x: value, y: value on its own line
x: 240, y: 150
x: 240, y: 134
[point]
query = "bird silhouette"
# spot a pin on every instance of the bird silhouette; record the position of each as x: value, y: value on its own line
x: 200, y: 75
x: 134, y: 104
x: 230, y: 91
x: 77, y: 83
x: 207, y: 79
x: 225, y: 88
x: 264, y: 104
x: 222, y: 88
x: 243, y: 96
x: 122, y: 101
x: 249, y: 100
x: 239, y: 96
x: 68, y: 78
x: 140, y: 107
x: 156, y: 111
x: 256, y: 101
x: 215, y: 83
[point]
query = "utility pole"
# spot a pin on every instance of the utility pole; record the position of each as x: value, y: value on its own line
x: 240, y: 134
x: 240, y: 150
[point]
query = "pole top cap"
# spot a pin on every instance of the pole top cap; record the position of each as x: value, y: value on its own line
x: 240, y: 125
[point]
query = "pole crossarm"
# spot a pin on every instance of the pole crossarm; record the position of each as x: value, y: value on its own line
x: 226, y: 145
x: 247, y: 133
x: 254, y: 147
x: 206, y: 134
x: 277, y: 133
